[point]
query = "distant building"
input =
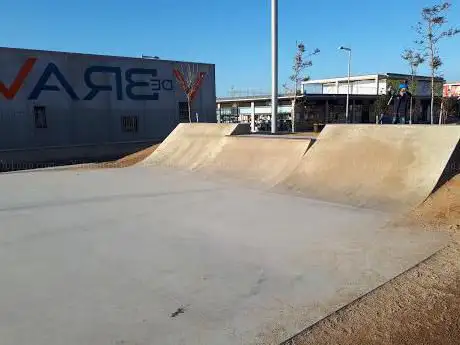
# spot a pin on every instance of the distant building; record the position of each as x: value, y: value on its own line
x: 452, y: 89
x: 372, y: 84
x: 324, y: 101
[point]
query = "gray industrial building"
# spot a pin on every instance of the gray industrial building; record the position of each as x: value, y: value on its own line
x: 58, y: 107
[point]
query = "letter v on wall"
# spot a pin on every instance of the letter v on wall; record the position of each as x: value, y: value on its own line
x: 10, y: 92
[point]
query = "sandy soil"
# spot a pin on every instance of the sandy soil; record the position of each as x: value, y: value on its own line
x: 135, y: 157
x: 301, y: 134
x: 441, y: 211
x: 122, y: 162
x: 421, y: 306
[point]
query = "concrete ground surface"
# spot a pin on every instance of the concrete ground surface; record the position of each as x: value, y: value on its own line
x: 153, y: 256
x: 419, y: 307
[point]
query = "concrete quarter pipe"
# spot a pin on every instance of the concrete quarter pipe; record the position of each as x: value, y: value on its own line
x: 389, y: 168
x: 261, y: 161
x: 189, y: 145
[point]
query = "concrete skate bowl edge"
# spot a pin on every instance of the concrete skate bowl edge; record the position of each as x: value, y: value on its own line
x: 261, y: 161
x: 189, y: 144
x: 390, y: 168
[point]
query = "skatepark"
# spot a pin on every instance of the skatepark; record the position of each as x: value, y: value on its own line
x: 218, y: 236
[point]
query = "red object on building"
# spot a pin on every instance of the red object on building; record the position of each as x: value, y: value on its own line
x: 193, y: 89
x: 451, y: 90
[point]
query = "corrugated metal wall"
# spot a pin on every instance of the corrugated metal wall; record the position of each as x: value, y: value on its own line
x: 62, y: 81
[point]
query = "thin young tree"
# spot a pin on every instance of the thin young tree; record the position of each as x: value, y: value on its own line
x: 190, y: 79
x: 414, y: 59
x: 302, y: 60
x: 430, y: 31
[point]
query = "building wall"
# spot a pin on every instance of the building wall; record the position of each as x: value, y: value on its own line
x: 451, y: 90
x: 361, y: 87
x: 364, y: 87
x: 88, y: 100
x: 258, y: 112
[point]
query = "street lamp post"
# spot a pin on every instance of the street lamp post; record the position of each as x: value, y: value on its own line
x: 348, y: 90
x: 274, y: 64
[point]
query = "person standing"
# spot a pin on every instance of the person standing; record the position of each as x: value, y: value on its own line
x: 401, y: 104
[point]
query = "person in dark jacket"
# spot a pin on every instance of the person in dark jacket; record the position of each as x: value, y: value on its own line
x: 401, y: 104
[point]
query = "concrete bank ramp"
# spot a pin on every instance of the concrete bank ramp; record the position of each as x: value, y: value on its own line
x: 223, y: 151
x: 383, y: 167
x: 189, y: 144
x: 258, y: 160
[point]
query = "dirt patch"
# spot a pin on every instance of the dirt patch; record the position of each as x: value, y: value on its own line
x: 421, y: 306
x: 122, y: 162
x: 441, y: 211
x: 136, y: 157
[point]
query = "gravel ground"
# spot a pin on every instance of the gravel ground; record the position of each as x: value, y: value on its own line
x: 440, y: 212
x: 124, y: 162
x: 421, y: 306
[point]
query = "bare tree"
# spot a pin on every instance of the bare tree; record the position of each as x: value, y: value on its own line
x: 430, y: 33
x: 190, y: 79
x: 302, y: 60
x: 414, y: 59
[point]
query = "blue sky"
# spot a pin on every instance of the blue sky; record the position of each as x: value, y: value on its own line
x: 232, y: 34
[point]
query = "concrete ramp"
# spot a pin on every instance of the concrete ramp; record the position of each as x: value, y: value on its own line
x: 264, y: 160
x: 189, y: 144
x: 390, y: 168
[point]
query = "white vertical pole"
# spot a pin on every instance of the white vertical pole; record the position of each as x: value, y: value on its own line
x: 253, y: 117
x: 274, y: 63
x: 348, y: 92
x: 218, y: 113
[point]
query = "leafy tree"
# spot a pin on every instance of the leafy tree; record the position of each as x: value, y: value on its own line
x: 414, y: 59
x: 302, y: 60
x: 430, y: 31
x: 382, y: 104
x: 450, y: 107
x: 189, y: 78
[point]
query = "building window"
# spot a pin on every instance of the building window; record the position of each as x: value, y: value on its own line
x: 129, y: 123
x: 40, y: 117
x: 183, y: 112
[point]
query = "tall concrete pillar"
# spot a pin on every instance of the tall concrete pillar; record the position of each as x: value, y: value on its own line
x: 253, y: 117
x: 218, y: 113
x: 293, y: 115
